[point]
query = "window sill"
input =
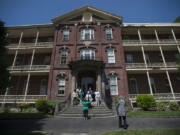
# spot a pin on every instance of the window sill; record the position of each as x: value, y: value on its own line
x: 60, y: 95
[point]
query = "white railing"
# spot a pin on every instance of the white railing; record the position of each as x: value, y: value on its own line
x: 29, y: 45
x: 20, y: 98
x: 151, y: 65
x: 159, y: 97
x: 29, y: 67
x: 149, y: 42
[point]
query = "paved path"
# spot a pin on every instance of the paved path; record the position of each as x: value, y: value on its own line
x: 57, y: 126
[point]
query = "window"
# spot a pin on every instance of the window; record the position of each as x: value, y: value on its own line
x: 153, y: 86
x: 61, y: 85
x: 87, y: 54
x: 43, y: 87
x: 63, y: 56
x: 129, y: 58
x: 87, y: 34
x: 133, y: 86
x: 111, y: 56
x: 109, y: 34
x: 66, y: 35
x: 113, y: 85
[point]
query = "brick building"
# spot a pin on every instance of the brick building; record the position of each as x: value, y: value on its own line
x: 89, y: 47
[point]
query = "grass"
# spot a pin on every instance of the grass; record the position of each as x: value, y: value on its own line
x: 146, y: 132
x: 23, y: 116
x: 22, y: 133
x: 154, y: 114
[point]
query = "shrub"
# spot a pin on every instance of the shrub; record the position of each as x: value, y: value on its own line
x: 51, y: 106
x: 161, y: 106
x: 6, y: 109
x: 145, y: 101
x: 173, y: 106
x: 23, y: 106
x: 61, y: 105
x: 42, y: 105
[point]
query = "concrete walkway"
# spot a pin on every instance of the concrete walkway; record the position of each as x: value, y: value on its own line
x: 57, y: 126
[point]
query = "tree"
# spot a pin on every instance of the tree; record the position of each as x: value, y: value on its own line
x: 177, y: 20
x: 4, y: 73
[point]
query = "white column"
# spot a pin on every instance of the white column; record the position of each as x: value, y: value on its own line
x: 16, y: 53
x: 147, y: 72
x: 172, y: 31
x: 27, y: 85
x: 167, y: 73
x: 156, y: 34
x: 139, y: 34
x: 73, y: 86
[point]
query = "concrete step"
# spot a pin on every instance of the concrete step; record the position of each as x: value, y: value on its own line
x: 81, y: 115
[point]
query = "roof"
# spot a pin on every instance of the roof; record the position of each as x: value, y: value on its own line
x: 85, y: 9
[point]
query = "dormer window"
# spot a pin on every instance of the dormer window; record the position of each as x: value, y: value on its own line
x: 65, y: 35
x: 87, y: 34
x: 109, y: 35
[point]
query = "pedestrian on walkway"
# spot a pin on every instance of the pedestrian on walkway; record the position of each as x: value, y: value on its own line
x: 85, y: 104
x: 75, y: 98
x: 122, y: 113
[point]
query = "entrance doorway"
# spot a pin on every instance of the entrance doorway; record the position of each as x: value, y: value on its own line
x: 86, y: 80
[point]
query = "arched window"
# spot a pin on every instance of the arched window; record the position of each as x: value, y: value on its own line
x: 87, y: 34
x: 65, y: 35
x: 109, y: 35
x: 87, y: 54
x: 61, y: 85
x: 111, y: 56
x: 113, y: 85
x: 63, y: 56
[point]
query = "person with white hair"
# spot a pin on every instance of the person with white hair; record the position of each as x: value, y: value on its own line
x: 122, y: 113
x: 97, y: 97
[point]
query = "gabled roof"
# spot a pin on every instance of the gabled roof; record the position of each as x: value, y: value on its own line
x: 83, y: 9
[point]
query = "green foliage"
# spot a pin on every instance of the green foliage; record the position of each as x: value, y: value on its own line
x: 145, y: 101
x: 177, y: 20
x: 42, y: 105
x: 174, y: 106
x: 51, y: 106
x: 6, y: 109
x: 23, y: 106
x: 4, y: 73
x: 161, y: 106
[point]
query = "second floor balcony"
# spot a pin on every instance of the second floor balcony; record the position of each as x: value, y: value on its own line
x: 21, y: 68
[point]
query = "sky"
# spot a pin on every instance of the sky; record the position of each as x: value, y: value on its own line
x: 28, y: 12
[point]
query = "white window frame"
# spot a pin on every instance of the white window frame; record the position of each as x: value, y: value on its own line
x: 61, y: 85
x: 63, y: 56
x: 89, y: 32
x: 129, y: 58
x: 133, y: 79
x: 113, y: 92
x: 65, y: 35
x: 111, y: 56
x: 109, y: 34
x: 91, y: 53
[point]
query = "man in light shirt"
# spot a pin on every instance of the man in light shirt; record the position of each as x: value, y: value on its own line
x: 97, y: 97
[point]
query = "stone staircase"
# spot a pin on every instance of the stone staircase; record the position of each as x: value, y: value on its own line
x: 77, y: 112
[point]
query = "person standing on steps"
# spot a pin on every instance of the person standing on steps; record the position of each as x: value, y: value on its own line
x: 122, y: 113
x: 97, y: 97
x: 85, y: 104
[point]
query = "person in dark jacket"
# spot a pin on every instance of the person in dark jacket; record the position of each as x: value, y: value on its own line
x: 122, y: 113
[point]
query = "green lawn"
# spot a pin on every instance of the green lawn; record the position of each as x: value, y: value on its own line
x: 23, y: 116
x: 146, y: 132
x: 154, y: 114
